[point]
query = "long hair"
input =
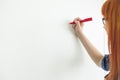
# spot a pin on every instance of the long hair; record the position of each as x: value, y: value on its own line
x: 111, y: 13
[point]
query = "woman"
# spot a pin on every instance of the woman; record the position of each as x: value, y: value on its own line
x: 110, y: 62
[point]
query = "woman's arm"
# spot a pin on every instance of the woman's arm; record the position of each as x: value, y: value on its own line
x: 92, y: 51
x: 95, y: 55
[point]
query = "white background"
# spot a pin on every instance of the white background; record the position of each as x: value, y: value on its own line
x: 37, y: 43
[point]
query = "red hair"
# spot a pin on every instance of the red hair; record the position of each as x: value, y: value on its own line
x: 111, y: 13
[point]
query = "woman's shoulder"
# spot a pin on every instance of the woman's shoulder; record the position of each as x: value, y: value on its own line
x: 105, y: 62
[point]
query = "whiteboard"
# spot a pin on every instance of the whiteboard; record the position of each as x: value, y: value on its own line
x: 38, y: 43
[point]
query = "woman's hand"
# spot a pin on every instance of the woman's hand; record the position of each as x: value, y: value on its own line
x: 77, y: 26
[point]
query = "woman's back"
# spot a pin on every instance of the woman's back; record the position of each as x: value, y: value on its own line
x: 111, y: 13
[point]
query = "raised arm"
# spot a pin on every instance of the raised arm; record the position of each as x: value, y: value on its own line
x: 95, y: 55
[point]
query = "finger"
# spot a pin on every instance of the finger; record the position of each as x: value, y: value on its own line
x: 77, y: 22
x: 75, y: 19
x: 73, y: 26
x: 78, y: 19
x: 80, y: 23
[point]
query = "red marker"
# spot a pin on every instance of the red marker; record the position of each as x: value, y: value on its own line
x: 84, y: 20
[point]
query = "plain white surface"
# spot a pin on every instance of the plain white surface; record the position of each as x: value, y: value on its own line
x: 37, y: 43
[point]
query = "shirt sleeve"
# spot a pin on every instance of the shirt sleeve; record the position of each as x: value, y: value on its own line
x: 105, y: 62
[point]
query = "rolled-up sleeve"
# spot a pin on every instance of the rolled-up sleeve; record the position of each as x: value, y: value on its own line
x: 105, y: 62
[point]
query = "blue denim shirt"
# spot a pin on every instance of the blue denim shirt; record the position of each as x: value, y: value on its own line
x: 105, y: 62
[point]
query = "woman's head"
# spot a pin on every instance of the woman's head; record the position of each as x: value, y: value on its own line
x: 111, y: 13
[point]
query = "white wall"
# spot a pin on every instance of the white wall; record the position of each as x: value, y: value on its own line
x: 37, y: 43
